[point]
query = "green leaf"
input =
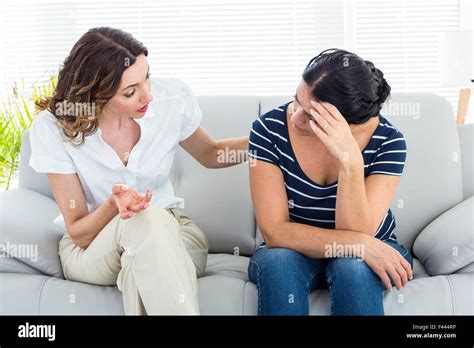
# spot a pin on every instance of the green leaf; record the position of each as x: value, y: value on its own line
x: 16, y: 116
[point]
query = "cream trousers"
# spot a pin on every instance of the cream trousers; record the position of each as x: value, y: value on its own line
x: 154, y: 258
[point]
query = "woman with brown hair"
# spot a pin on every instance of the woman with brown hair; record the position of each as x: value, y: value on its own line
x: 107, y: 146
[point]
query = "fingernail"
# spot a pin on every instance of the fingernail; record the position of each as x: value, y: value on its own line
x: 125, y: 187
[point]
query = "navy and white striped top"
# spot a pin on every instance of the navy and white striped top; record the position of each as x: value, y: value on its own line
x: 311, y: 203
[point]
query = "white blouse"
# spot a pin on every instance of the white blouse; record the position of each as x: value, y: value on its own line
x: 172, y: 116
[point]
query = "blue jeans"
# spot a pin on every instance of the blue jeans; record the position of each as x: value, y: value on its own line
x: 285, y: 278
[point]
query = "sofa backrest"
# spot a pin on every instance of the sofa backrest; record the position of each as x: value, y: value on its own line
x: 432, y: 180
x: 219, y: 200
x: 466, y: 138
x: 29, y: 179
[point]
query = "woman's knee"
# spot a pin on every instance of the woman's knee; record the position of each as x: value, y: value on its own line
x: 351, y: 271
x: 354, y: 288
x: 151, y: 219
x: 148, y: 224
x: 152, y: 213
x: 276, y: 262
x: 91, y: 267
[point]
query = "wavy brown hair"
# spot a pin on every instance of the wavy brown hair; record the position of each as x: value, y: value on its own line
x: 90, y: 76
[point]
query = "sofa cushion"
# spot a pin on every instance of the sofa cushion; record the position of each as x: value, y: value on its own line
x: 28, y: 233
x: 432, y: 179
x: 226, y: 265
x: 29, y: 178
x: 441, y: 295
x: 220, y: 295
x: 27, y: 294
x: 59, y: 297
x: 11, y: 265
x: 469, y: 269
x: 466, y: 138
x: 20, y: 294
x: 447, y: 244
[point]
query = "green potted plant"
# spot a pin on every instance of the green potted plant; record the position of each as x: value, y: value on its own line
x: 16, y: 115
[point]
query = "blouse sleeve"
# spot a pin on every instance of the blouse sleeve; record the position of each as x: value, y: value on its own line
x: 48, y: 151
x: 190, y: 111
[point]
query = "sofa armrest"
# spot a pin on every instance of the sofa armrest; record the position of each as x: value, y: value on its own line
x: 466, y: 139
x: 27, y: 230
x: 446, y: 245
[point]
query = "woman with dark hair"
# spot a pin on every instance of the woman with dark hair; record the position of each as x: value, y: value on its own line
x: 108, y: 148
x: 327, y: 168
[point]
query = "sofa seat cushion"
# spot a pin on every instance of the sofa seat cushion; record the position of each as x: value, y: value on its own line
x: 28, y: 232
x: 441, y: 295
x: 26, y: 294
x: 226, y: 265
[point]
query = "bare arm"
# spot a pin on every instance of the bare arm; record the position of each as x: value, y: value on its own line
x: 215, y: 154
x: 81, y: 225
x: 362, y: 203
x: 271, y: 210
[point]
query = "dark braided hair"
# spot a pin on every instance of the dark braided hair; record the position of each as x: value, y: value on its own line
x: 355, y: 86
